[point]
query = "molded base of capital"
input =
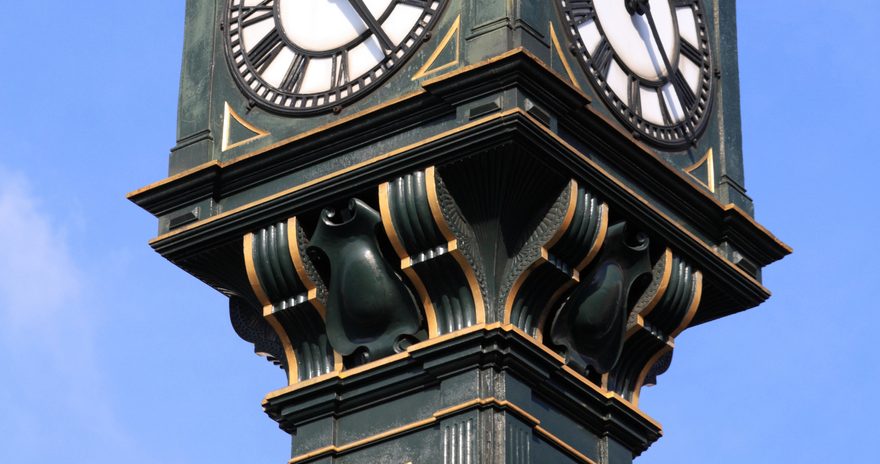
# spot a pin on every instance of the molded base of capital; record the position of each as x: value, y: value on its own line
x: 488, y: 394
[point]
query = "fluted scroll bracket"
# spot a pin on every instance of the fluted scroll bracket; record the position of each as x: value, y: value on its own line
x: 550, y: 262
x: 437, y: 250
x: 293, y: 298
x: 249, y: 324
x: 664, y: 310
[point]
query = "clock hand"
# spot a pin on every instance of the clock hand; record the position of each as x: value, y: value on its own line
x: 685, y: 96
x: 656, y: 34
x: 372, y: 24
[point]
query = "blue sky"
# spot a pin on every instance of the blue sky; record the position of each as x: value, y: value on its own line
x: 109, y: 354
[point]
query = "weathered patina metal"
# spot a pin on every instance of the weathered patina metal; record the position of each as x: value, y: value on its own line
x: 474, y: 261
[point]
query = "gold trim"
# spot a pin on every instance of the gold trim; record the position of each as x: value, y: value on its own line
x: 569, y: 215
x: 562, y: 58
x: 565, y: 446
x: 643, y: 374
x: 324, y: 178
x: 464, y: 332
x: 180, y: 175
x: 519, y: 50
x: 488, y: 61
x: 299, y: 265
x: 427, y: 303
x: 738, y: 211
x: 709, y: 160
x: 268, y: 309
x: 695, y: 305
x: 319, y: 129
x: 560, y: 232
x: 228, y: 115
x: 731, y: 207
x: 434, y: 203
x: 664, y: 284
x: 405, y: 260
x: 289, y: 353
x: 538, y: 126
x: 477, y: 403
x: 452, y: 245
x: 311, y: 287
x: 345, y: 119
x: 514, y: 290
x: 387, y: 222
x: 251, y: 268
x: 453, y: 32
x: 600, y: 239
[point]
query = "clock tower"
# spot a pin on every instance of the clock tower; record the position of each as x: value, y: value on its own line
x: 466, y: 231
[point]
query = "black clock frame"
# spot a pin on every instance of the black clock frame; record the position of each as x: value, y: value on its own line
x: 292, y: 103
x: 672, y: 136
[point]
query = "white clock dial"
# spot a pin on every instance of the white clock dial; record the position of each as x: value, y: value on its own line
x: 302, y: 56
x: 650, y: 61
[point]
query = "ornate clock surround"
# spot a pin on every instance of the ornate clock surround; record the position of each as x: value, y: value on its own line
x: 595, y: 62
x: 247, y: 66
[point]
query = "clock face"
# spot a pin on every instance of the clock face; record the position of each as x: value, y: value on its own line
x: 305, y: 56
x: 650, y: 62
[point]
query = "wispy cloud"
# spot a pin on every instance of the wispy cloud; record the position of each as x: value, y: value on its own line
x: 37, y: 274
x: 54, y: 391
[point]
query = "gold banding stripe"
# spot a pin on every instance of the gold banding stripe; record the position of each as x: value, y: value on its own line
x: 228, y: 115
x: 544, y: 258
x: 452, y: 245
x: 521, y: 280
x: 709, y: 160
x: 569, y: 216
x: 695, y: 304
x: 268, y: 310
x: 664, y: 284
x: 565, y: 446
x: 299, y: 265
x: 462, y: 333
x: 647, y: 369
x: 478, y: 403
x: 514, y: 290
x: 600, y: 239
x: 406, y: 261
x: 537, y: 125
x: 451, y: 248
x: 453, y: 32
x: 562, y: 59
x: 250, y: 266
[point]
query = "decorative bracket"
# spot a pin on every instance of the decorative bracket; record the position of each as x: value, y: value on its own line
x: 549, y: 264
x: 664, y: 311
x: 293, y: 298
x: 437, y: 251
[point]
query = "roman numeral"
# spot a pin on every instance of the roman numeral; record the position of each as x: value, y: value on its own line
x: 372, y: 23
x: 683, y: 90
x: 339, y: 70
x: 293, y: 78
x: 601, y: 58
x: 690, y: 52
x: 265, y: 51
x: 265, y: 7
x: 581, y: 12
x: 635, y: 95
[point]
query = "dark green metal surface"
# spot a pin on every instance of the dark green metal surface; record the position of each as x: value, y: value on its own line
x: 516, y: 263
